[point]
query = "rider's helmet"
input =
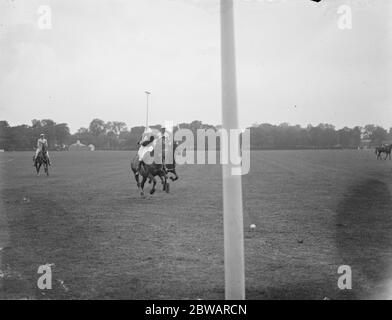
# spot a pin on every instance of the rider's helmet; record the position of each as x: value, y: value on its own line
x: 42, y: 135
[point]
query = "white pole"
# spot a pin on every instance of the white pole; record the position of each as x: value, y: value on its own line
x: 147, y: 94
x: 232, y: 187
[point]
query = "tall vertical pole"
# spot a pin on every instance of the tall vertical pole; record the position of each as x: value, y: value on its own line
x: 147, y: 95
x: 232, y: 186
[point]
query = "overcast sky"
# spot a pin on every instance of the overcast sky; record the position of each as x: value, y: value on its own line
x: 294, y: 64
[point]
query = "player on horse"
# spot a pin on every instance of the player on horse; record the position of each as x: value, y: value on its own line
x: 144, y: 164
x: 385, y: 148
x: 42, y: 146
x: 149, y: 143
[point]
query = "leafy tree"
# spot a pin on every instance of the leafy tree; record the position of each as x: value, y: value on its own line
x: 116, y: 127
x: 62, y: 133
x: 97, y: 127
x: 114, y: 135
x: 376, y: 134
x: 5, y: 135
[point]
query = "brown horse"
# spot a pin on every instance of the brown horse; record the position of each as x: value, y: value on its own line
x: 383, y: 149
x: 42, y: 159
x: 149, y: 171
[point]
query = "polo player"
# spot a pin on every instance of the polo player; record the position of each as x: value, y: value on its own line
x: 146, y: 144
x: 40, y: 144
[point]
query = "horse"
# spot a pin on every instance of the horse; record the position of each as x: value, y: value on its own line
x: 42, y: 159
x: 149, y: 171
x: 387, y: 149
x: 156, y: 170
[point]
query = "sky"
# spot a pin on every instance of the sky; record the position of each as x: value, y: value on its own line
x: 294, y: 64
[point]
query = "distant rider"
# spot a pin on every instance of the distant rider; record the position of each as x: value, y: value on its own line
x: 40, y: 143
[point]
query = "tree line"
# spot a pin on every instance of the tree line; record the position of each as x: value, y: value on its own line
x: 322, y: 136
x: 115, y: 135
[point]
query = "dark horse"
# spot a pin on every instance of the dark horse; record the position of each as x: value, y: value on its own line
x: 383, y: 149
x: 42, y: 159
x: 149, y: 171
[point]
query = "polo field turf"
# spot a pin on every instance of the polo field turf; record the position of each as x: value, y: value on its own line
x: 314, y: 210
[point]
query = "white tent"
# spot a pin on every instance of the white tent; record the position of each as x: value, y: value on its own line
x: 78, y: 146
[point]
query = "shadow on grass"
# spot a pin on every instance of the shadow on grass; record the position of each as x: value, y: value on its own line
x: 364, y: 235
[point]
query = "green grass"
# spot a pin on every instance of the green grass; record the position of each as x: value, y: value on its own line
x: 314, y: 211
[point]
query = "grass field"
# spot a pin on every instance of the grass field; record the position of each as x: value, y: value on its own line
x: 314, y: 211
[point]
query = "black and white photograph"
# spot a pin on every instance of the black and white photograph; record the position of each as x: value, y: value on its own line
x: 205, y: 151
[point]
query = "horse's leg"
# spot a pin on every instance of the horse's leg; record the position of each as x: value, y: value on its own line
x: 47, y: 168
x: 136, y: 174
x: 154, y: 184
x: 145, y: 170
x: 175, y: 174
x: 142, y: 185
x: 163, y: 183
x: 166, y: 184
